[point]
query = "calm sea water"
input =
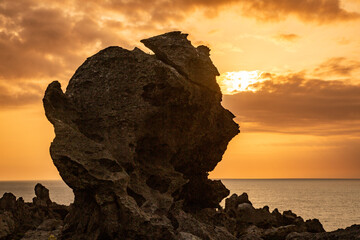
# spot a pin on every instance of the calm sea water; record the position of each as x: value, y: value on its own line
x: 336, y: 203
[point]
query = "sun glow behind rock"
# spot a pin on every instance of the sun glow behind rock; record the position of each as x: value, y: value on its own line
x: 234, y: 82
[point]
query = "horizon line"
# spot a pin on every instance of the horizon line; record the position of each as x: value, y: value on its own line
x: 33, y: 180
x: 286, y: 178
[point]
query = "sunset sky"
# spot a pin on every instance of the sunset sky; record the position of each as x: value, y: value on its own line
x: 300, y: 118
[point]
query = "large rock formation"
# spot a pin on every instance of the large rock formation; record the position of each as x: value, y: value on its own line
x: 136, y: 135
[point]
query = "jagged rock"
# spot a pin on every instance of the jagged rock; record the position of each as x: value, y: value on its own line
x: 281, y: 232
x: 350, y: 233
x: 252, y: 223
x: 136, y: 135
x: 194, y: 63
x: 232, y: 203
x: 8, y: 201
x: 246, y: 214
x: 314, y: 226
x: 251, y: 233
x: 18, y: 217
x: 273, y: 233
x: 42, y: 196
x: 49, y: 229
x: 7, y: 224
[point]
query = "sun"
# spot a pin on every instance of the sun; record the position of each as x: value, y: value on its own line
x: 234, y: 82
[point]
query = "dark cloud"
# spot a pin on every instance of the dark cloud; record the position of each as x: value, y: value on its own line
x: 294, y: 104
x: 339, y: 66
x: 49, y: 39
x: 25, y: 94
x: 45, y: 41
x: 290, y: 37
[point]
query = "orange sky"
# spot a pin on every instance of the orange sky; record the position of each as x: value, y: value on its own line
x: 302, y: 120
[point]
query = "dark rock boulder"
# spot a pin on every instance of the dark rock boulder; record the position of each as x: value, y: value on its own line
x: 314, y: 226
x: 136, y: 135
x: 42, y: 196
x: 8, y: 201
x: 7, y: 224
x: 232, y: 203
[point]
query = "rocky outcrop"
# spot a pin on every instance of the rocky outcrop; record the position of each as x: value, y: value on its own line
x: 136, y: 135
x: 42, y: 196
x: 49, y: 229
x: 17, y: 217
x: 251, y: 223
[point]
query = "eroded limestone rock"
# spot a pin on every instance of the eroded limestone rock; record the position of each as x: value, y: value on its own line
x: 136, y: 135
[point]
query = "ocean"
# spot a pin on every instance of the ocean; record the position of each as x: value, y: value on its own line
x: 336, y: 203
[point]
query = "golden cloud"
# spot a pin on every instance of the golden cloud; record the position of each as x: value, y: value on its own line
x: 295, y: 104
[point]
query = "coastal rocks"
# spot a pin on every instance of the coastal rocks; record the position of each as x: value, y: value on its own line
x: 7, y: 224
x: 8, y: 201
x: 17, y: 217
x: 233, y: 202
x: 136, y: 135
x: 49, y: 229
x: 252, y: 223
x: 350, y: 233
x: 42, y: 196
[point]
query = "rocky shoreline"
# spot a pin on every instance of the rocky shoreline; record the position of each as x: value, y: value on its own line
x: 136, y: 136
x: 36, y: 220
x: 44, y: 220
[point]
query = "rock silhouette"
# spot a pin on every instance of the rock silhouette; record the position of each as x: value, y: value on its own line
x: 18, y: 219
x: 42, y: 196
x: 136, y: 135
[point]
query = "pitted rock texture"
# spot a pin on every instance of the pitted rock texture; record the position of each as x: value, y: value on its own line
x: 136, y: 135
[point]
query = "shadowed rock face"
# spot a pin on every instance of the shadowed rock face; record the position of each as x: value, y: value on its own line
x: 136, y: 135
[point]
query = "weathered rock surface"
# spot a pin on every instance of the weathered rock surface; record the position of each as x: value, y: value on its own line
x: 42, y: 196
x: 136, y: 135
x: 49, y: 229
x: 252, y: 223
x: 350, y: 233
x: 17, y: 217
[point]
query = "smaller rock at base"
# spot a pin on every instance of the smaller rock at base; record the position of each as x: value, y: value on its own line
x: 314, y: 226
x: 42, y: 196
x: 233, y: 202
